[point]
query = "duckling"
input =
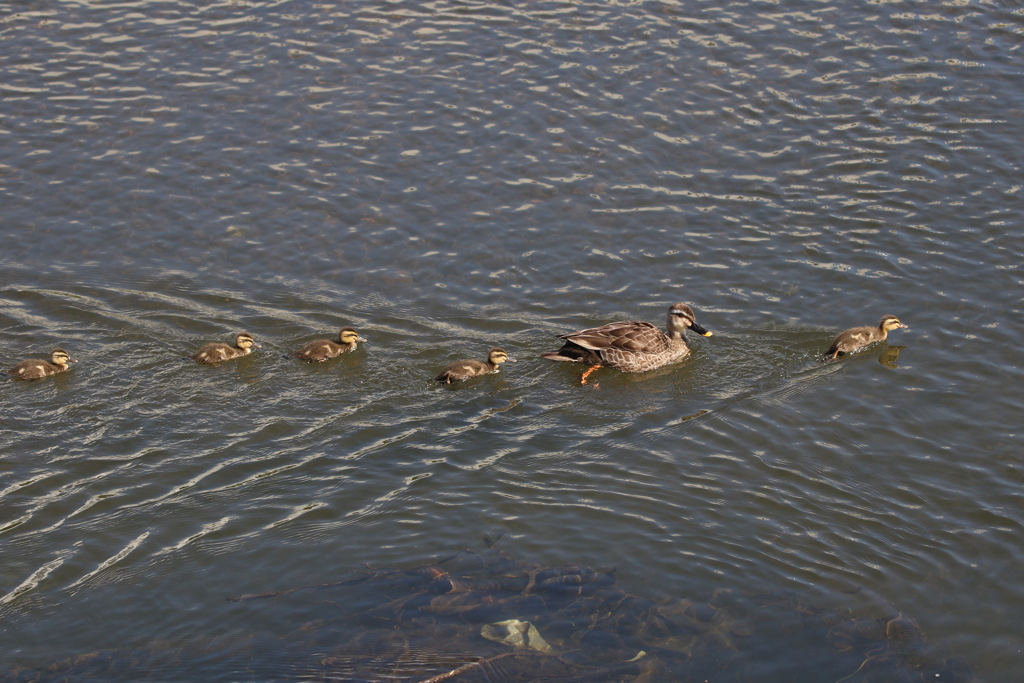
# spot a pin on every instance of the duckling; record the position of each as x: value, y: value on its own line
x: 464, y: 369
x: 217, y: 351
x: 324, y: 349
x: 35, y: 368
x: 857, y: 338
x: 630, y: 346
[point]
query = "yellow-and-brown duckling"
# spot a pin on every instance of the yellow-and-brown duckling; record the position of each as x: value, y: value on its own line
x: 218, y: 352
x: 857, y: 338
x: 464, y: 369
x: 631, y: 346
x: 324, y: 349
x: 36, y: 368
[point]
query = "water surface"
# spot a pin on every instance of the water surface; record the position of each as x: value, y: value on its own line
x: 447, y: 176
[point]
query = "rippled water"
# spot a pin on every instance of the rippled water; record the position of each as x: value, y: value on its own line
x: 446, y: 176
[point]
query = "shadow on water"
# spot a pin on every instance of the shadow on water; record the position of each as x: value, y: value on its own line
x: 489, y: 617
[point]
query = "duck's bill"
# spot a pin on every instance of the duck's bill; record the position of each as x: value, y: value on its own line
x: 362, y: 340
x: 904, y: 327
x: 700, y: 330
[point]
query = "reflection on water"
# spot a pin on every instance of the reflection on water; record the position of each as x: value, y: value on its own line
x: 486, y: 617
x: 890, y: 355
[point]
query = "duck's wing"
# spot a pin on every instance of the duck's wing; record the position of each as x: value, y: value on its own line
x: 632, y: 336
x: 319, y: 350
x: 28, y: 369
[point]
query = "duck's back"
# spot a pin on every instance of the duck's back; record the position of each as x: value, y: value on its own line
x: 463, y: 369
x: 633, y: 346
x: 319, y: 351
x: 34, y: 369
x: 216, y: 352
x: 853, y: 339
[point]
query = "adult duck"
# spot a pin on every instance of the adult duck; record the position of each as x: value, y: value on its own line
x: 631, y: 346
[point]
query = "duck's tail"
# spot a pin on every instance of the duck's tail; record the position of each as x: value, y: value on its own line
x: 556, y: 355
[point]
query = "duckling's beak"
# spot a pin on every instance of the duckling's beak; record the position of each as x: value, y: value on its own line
x: 904, y: 327
x: 699, y: 330
x: 510, y: 359
x: 360, y: 339
x: 72, y: 360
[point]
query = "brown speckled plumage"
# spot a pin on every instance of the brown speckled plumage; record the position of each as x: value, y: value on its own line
x: 857, y: 338
x: 218, y: 352
x: 631, y: 346
x: 35, y: 368
x: 325, y: 349
x: 464, y: 369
